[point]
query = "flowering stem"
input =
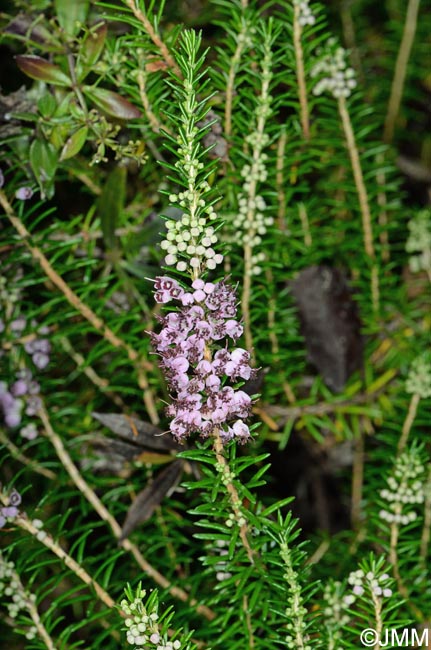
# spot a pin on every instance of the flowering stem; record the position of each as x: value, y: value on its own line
x: 401, y: 69
x: 258, y: 139
x: 104, y: 514
x: 142, y: 365
x: 408, y: 422
x: 233, y: 494
x: 300, y: 73
x: 378, y: 623
x: 362, y: 196
x: 33, y: 611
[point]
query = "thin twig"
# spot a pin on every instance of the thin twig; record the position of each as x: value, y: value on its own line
x: 324, y: 408
x: 155, y: 37
x: 362, y: 197
x: 408, y: 422
x: 21, y: 458
x: 140, y: 364
x: 155, y: 124
x: 401, y: 69
x: 106, y: 516
x: 233, y: 494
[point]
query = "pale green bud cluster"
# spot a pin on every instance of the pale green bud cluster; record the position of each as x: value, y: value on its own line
x: 245, y: 36
x: 295, y: 610
x: 405, y: 489
x: 372, y: 581
x: 12, y: 588
x: 142, y: 626
x: 419, y: 242
x: 190, y: 240
x: 334, y: 610
x: 419, y: 378
x: 305, y: 15
x: 338, y: 78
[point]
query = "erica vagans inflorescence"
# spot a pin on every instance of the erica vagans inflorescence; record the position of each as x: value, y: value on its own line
x: 193, y: 346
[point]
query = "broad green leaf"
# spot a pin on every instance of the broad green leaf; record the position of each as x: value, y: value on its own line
x: 112, y: 103
x: 43, y: 160
x: 47, y: 105
x: 111, y: 204
x: 37, y: 68
x: 74, y: 143
x: 71, y: 14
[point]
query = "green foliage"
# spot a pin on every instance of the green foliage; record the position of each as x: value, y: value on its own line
x: 127, y: 125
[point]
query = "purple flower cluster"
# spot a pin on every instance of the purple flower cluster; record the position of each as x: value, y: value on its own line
x: 11, y: 510
x: 23, y: 394
x: 195, y: 370
x: 38, y: 347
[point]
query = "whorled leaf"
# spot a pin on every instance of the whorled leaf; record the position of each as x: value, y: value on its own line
x: 74, y: 143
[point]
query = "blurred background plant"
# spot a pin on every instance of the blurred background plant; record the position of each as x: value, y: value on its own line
x: 313, y: 122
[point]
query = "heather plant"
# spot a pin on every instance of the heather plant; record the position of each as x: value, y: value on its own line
x: 214, y: 329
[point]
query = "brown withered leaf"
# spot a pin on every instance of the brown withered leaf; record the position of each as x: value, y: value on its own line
x: 140, y: 433
x: 330, y: 324
x: 151, y: 496
x: 154, y: 65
